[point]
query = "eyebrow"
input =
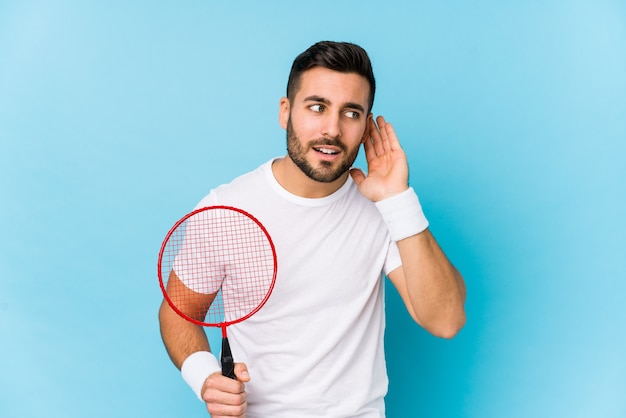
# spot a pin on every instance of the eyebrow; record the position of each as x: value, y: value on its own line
x: 324, y: 100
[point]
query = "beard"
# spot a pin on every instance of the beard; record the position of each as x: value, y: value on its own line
x: 326, y: 172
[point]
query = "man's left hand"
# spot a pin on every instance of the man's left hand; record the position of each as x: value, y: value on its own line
x: 387, y: 167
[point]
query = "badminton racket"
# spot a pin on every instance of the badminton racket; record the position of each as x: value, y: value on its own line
x: 217, y: 267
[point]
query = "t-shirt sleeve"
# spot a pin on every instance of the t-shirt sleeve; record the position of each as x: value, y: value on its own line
x: 191, y: 264
x: 393, y: 260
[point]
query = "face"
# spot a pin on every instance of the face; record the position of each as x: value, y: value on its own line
x: 326, y: 122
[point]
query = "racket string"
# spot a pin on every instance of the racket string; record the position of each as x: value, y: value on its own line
x: 221, y: 252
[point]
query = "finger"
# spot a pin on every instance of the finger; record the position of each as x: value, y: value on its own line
x: 384, y: 134
x: 224, y: 403
x: 224, y: 397
x: 392, y: 139
x: 217, y: 388
x: 357, y: 175
x: 224, y: 411
x: 368, y: 146
x: 241, y: 371
x: 377, y: 139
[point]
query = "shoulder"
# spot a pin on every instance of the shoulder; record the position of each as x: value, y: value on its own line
x: 239, y: 190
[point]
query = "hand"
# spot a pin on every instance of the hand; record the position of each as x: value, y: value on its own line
x: 226, y: 397
x: 387, y: 167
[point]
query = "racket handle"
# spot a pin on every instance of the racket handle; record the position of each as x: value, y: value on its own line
x: 228, y: 364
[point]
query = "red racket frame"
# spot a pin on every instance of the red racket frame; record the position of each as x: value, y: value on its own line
x: 222, y: 325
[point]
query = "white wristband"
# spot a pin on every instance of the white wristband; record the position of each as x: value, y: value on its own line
x: 196, y: 368
x: 403, y: 215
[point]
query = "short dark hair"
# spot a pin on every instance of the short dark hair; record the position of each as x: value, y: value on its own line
x: 343, y: 57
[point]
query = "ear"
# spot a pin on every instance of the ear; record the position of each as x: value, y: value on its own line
x: 368, y: 126
x: 283, y: 112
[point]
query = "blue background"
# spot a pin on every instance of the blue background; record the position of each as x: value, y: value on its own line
x: 117, y: 117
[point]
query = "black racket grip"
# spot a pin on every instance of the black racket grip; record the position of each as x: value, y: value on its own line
x: 228, y: 364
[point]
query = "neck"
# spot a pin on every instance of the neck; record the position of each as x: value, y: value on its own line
x: 289, y: 176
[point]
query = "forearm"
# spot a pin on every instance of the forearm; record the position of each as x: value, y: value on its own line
x: 434, y: 288
x: 181, y: 337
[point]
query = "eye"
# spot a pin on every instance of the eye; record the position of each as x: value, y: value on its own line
x: 352, y: 114
x: 317, y: 108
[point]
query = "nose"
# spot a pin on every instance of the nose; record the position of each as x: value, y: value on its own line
x: 331, y: 127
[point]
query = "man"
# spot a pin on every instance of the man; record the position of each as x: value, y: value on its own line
x: 316, y: 348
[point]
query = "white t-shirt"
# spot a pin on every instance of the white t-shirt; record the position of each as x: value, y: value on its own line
x: 315, y: 349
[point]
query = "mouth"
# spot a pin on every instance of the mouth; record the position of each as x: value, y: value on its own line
x: 326, y: 150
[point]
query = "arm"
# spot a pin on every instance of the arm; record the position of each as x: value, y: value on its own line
x: 182, y: 338
x: 431, y: 288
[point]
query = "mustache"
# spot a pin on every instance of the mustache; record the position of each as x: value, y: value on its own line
x: 332, y: 142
